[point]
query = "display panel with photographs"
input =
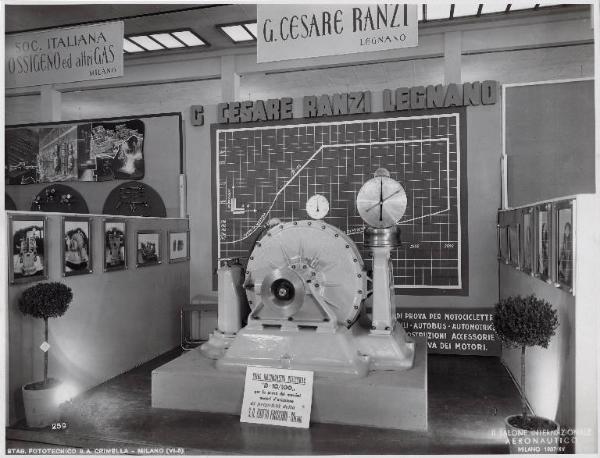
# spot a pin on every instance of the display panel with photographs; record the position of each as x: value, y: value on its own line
x: 27, y: 249
x: 543, y: 242
x: 564, y: 243
x: 115, y: 245
x: 514, y: 246
x: 76, y: 247
x: 77, y: 151
x: 148, y: 249
x: 179, y: 246
x: 503, y: 249
x: 527, y: 245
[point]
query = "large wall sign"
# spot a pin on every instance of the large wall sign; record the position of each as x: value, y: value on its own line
x: 89, y: 52
x: 348, y: 103
x: 298, y: 31
x: 278, y: 170
x: 90, y: 151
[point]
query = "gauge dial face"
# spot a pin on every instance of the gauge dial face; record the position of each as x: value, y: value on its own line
x: 317, y: 206
x: 381, y: 202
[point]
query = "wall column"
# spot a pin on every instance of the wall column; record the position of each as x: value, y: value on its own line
x: 230, y: 79
x: 452, y: 57
x: 50, y: 104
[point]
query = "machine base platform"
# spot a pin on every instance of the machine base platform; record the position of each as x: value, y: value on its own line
x: 384, y: 399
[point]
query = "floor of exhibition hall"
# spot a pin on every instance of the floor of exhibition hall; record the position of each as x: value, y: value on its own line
x: 469, y: 397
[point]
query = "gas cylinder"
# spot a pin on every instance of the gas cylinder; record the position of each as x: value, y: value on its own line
x: 233, y: 304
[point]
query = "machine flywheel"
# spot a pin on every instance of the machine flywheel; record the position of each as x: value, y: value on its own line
x: 308, y: 273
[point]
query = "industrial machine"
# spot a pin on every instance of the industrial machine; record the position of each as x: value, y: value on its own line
x: 306, y: 285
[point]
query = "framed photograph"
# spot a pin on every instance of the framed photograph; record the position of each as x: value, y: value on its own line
x: 76, y: 247
x: 115, y: 245
x: 503, y: 251
x: 564, y: 245
x: 179, y: 246
x: 543, y: 255
x: 527, y: 244
x: 148, y: 249
x: 514, y: 244
x: 27, y: 251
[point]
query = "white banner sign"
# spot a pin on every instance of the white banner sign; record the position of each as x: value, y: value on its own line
x: 280, y: 397
x: 89, y: 52
x: 298, y: 31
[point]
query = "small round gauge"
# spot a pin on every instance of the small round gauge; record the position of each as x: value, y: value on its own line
x: 317, y: 206
x: 381, y: 201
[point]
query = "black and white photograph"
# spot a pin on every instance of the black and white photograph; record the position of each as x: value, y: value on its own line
x: 544, y: 242
x: 301, y: 228
x: 112, y: 150
x: 179, y: 246
x: 514, y: 244
x: 115, y: 245
x: 57, y: 155
x: 527, y: 234
x: 76, y: 246
x: 564, y: 244
x: 27, y: 249
x: 148, y: 248
x: 21, y: 155
x: 503, y: 245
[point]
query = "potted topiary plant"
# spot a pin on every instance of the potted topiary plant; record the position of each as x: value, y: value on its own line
x: 43, y: 300
x: 521, y: 322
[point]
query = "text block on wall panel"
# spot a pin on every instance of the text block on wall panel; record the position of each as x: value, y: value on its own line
x: 549, y: 141
x: 271, y: 170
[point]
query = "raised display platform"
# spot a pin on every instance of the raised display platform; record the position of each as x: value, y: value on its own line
x: 384, y: 399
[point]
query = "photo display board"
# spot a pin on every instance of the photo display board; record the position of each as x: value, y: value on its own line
x: 85, y: 151
x: 270, y: 170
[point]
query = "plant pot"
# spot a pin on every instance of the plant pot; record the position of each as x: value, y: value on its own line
x: 539, y: 441
x: 41, y: 403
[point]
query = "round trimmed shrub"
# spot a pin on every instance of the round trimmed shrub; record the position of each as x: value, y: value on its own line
x: 46, y: 300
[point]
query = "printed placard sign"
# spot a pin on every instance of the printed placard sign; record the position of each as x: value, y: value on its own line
x: 280, y: 397
x: 64, y: 55
x: 298, y: 31
x: 452, y: 331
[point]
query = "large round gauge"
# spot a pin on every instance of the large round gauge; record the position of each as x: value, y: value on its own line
x: 381, y: 201
x: 317, y: 206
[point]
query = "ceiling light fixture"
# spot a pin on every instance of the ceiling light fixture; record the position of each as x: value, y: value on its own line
x: 162, y: 41
x: 437, y: 11
x: 244, y: 32
x: 167, y: 40
x: 252, y: 28
x: 464, y: 9
x: 146, y: 42
x: 189, y: 38
x: 237, y: 33
x: 130, y: 46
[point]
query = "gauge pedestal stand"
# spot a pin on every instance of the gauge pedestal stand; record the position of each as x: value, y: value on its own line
x: 381, y: 241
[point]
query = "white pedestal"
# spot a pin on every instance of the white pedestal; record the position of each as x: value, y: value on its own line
x: 385, y: 399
